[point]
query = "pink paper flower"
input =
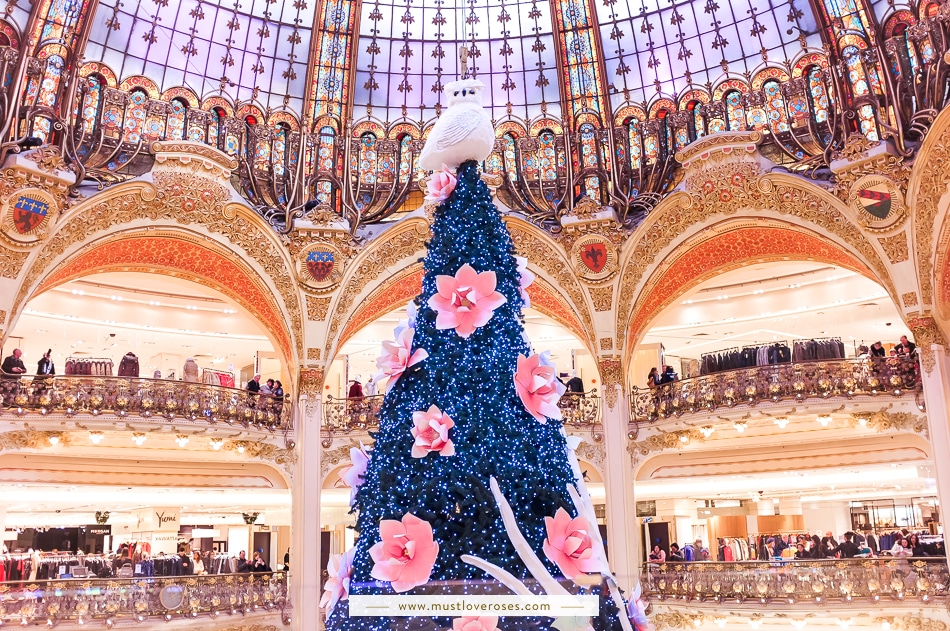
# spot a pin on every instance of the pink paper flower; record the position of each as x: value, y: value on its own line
x: 337, y: 587
x: 441, y: 185
x: 396, y: 357
x: 406, y: 554
x: 569, y: 546
x: 538, y: 387
x: 353, y: 475
x: 431, y: 432
x: 527, y: 277
x: 466, y: 301
x: 475, y: 623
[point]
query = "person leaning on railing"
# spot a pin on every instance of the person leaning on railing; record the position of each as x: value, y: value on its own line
x: 10, y: 371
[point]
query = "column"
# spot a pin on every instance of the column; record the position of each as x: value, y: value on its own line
x: 623, y: 531
x: 936, y: 382
x: 305, y: 535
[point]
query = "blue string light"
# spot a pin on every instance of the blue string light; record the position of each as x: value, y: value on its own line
x: 471, y: 380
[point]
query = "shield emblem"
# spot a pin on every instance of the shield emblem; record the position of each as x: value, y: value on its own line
x: 28, y: 214
x: 320, y: 264
x: 594, y: 256
x: 876, y: 200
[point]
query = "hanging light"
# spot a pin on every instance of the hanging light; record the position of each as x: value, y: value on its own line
x: 707, y: 430
x: 138, y: 438
x: 240, y: 449
x: 740, y: 426
x: 217, y: 443
x: 824, y: 420
x: 96, y: 437
x: 782, y: 422
x: 53, y: 439
x: 182, y: 440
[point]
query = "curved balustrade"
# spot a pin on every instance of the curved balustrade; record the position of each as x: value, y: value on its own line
x: 114, y: 600
x: 145, y: 398
x: 819, y: 581
x: 362, y: 414
x: 840, y: 378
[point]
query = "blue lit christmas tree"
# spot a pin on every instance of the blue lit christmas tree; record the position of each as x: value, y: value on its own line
x: 468, y: 407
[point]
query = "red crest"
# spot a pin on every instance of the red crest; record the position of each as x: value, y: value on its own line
x: 320, y: 265
x: 28, y: 213
x: 594, y: 256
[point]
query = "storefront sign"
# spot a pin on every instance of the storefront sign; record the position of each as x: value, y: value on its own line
x: 166, y: 519
x: 98, y: 530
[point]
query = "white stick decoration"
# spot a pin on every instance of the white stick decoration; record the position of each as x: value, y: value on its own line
x: 502, y: 575
x: 528, y: 557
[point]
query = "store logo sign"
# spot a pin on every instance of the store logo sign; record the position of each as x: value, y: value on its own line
x: 165, y: 519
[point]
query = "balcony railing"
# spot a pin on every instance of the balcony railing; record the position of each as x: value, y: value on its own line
x: 145, y: 398
x: 342, y: 416
x: 833, y: 379
x: 871, y: 580
x: 115, y: 600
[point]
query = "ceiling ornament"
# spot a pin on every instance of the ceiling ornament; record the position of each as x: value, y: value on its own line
x: 611, y: 376
x: 264, y: 451
x: 926, y: 332
x: 895, y: 247
x: 884, y: 421
x: 31, y: 439
x: 33, y: 194
x: 663, y: 442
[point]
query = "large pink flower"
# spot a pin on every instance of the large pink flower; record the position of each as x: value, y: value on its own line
x: 337, y: 587
x: 406, y: 554
x: 527, y: 277
x: 396, y: 356
x: 465, y: 301
x: 538, y: 387
x: 568, y: 544
x: 441, y: 185
x: 475, y: 623
x: 353, y: 475
x: 431, y: 432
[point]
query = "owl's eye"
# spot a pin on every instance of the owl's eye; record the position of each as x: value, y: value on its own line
x: 456, y: 93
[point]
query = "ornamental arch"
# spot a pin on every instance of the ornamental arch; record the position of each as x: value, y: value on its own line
x: 163, y: 226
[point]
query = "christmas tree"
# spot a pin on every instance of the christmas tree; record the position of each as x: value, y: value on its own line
x: 469, y: 427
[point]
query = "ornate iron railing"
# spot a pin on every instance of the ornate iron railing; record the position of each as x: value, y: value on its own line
x: 840, y: 378
x: 362, y: 414
x: 145, y: 398
x: 114, y: 600
x: 795, y: 581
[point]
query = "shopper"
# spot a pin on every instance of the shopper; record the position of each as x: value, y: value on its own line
x: 13, y: 365
x: 253, y: 389
x: 658, y: 556
x: 356, y: 391
x: 259, y: 564
x: 242, y: 564
x: 906, y: 348
x: 199, y: 565
x: 770, y: 551
x: 847, y: 549
x: 45, y: 366
x: 370, y: 388
x: 916, y: 547
x: 800, y: 552
x: 189, y: 373
x: 675, y: 554
x: 575, y: 385
x: 901, y: 548
x: 652, y: 378
x: 187, y: 566
x: 699, y: 552
x: 877, y: 350
x: 817, y: 549
x: 268, y: 388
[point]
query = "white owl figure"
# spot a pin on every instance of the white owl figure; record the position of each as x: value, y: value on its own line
x: 463, y: 131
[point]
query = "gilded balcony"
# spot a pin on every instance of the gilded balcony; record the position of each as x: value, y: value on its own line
x: 760, y: 386
x: 796, y: 583
x: 116, y: 601
x: 345, y: 416
x: 154, y: 400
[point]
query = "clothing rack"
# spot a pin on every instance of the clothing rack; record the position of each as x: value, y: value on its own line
x: 95, y: 366
x: 215, y: 377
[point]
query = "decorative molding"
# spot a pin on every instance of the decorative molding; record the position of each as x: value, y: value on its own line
x: 332, y: 458
x: 606, y: 343
x: 317, y: 308
x: 884, y: 421
x: 30, y: 439
x: 48, y: 158
x: 603, y: 297
x: 663, y: 442
x: 895, y: 247
x: 594, y: 452
x: 11, y: 261
x: 931, y: 185
x: 313, y: 354
x: 311, y: 381
x: 264, y: 451
x: 917, y: 622
x: 909, y: 299
x: 611, y: 375
x: 926, y: 332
